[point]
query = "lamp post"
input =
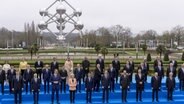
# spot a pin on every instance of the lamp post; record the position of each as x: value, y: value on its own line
x: 61, y: 18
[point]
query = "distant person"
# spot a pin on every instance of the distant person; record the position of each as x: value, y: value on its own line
x: 112, y: 76
x: 64, y: 75
x: 46, y: 78
x: 105, y: 87
x: 85, y: 66
x: 10, y: 75
x: 100, y: 61
x: 116, y: 65
x: 170, y: 85
x: 146, y: 67
x: 155, y: 84
x: 69, y: 65
x: 35, y: 86
x: 157, y: 61
x: 38, y: 66
x: 139, y: 77
x: 27, y: 76
x: 54, y: 65
x: 17, y: 87
x: 132, y: 66
x: 124, y: 85
x: 22, y: 66
x: 78, y: 72
x: 172, y: 69
x: 181, y: 77
x: 72, y: 82
x: 160, y: 70
x: 6, y: 67
x: 2, y: 79
x: 89, y: 83
x: 55, y: 80
x: 129, y: 70
x: 97, y: 77
x: 175, y: 63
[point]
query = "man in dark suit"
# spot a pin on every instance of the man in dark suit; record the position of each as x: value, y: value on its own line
x: 35, y: 86
x: 38, y: 66
x: 27, y: 76
x: 116, y: 65
x: 105, y: 87
x: 124, y: 85
x: 155, y: 84
x: 63, y: 74
x: 46, y: 78
x: 54, y: 65
x: 17, y: 87
x: 146, y: 67
x: 170, y: 85
x: 175, y: 63
x: 129, y: 70
x: 78, y: 72
x: 55, y: 80
x: 131, y: 63
x: 11, y: 73
x: 139, y: 77
x: 172, y: 69
x: 100, y: 61
x: 160, y: 70
x: 97, y: 77
x: 2, y: 79
x: 85, y: 66
x: 157, y: 61
x: 89, y: 83
x: 112, y: 74
x: 181, y: 77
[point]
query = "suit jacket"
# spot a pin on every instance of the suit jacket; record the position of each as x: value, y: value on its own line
x: 138, y: 80
x: 46, y: 74
x: 63, y: 74
x: 38, y: 66
x: 156, y: 63
x: 105, y: 82
x: 54, y: 79
x: 2, y: 76
x: 86, y: 65
x: 17, y: 84
x: 160, y: 72
x: 101, y: 63
x: 72, y: 84
x: 28, y: 76
x: 175, y: 63
x: 155, y: 82
x: 128, y: 70
x: 170, y: 84
x: 78, y: 73
x: 35, y: 84
x: 54, y: 66
x: 173, y: 70
x: 116, y: 65
x: 124, y: 81
x: 112, y: 73
x: 181, y: 74
x: 89, y: 83
x: 97, y: 75
x: 146, y: 65
x: 132, y: 65
x: 10, y: 75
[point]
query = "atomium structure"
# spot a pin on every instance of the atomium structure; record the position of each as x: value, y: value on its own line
x: 65, y: 14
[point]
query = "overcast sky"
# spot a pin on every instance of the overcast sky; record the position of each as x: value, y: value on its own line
x: 139, y: 15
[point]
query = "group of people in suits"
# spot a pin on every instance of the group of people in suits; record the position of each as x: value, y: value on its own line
x: 101, y: 76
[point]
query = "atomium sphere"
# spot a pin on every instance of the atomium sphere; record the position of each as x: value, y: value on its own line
x: 77, y: 12
x: 61, y: 9
x: 58, y: 27
x: 60, y: 20
x: 42, y: 25
x: 43, y: 12
x: 79, y: 25
x: 61, y: 37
